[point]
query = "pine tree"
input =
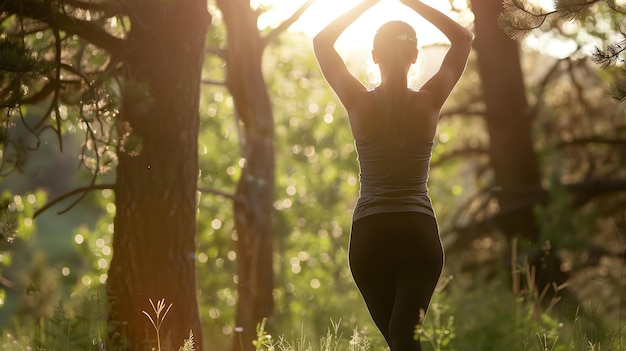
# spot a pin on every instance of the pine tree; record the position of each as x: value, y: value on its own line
x: 520, y: 18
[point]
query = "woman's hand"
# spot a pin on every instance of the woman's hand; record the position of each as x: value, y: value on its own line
x: 453, y: 65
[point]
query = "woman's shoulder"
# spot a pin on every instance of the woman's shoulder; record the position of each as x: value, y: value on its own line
x: 423, y: 101
x: 363, y: 115
x: 364, y: 101
x: 425, y: 114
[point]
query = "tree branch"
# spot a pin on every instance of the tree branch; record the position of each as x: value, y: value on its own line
x: 462, y: 151
x: 82, y: 191
x: 593, y: 140
x: 518, y: 18
x: 95, y: 6
x: 214, y: 82
x: 274, y: 33
x: 589, y: 190
x: 233, y: 197
x: 542, y: 88
x: 88, y: 30
x: 583, y: 193
x: 40, y: 95
x: 221, y: 53
x: 610, y: 54
x: 6, y: 282
x: 57, y: 88
x: 490, y: 222
x: 615, y: 7
x: 472, y: 108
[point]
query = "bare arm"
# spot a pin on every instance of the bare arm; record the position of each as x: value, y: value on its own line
x: 442, y: 83
x: 345, y: 85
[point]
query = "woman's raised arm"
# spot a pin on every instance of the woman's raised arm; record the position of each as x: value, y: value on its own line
x: 453, y: 65
x: 345, y: 85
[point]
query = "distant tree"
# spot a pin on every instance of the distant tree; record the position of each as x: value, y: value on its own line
x: 516, y: 184
x: 253, y: 200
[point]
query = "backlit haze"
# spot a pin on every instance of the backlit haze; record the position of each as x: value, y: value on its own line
x: 355, y: 43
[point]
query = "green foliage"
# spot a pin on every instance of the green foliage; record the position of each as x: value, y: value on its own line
x: 66, y: 333
x: 507, y: 323
x: 94, y: 245
x: 8, y: 220
x: 494, y: 318
x: 52, y: 81
x: 79, y: 326
x: 19, y: 68
x: 563, y: 225
x: 440, y: 330
x: 16, y: 226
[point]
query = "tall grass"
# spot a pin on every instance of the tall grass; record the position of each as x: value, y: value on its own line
x: 332, y: 341
x: 494, y: 317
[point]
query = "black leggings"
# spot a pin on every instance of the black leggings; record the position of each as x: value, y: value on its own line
x: 396, y: 260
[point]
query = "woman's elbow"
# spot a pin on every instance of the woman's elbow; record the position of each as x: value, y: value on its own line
x: 319, y: 42
x: 467, y: 37
x: 321, y: 45
x: 464, y: 41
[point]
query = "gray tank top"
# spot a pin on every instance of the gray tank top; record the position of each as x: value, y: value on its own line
x: 393, y: 176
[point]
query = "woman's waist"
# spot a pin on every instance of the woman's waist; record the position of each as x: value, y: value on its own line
x: 391, y: 188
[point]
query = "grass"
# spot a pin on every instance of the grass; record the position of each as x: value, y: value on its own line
x: 492, y: 318
x: 515, y: 327
x: 333, y: 341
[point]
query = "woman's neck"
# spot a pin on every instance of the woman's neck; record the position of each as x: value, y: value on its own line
x: 392, y: 79
x: 391, y: 85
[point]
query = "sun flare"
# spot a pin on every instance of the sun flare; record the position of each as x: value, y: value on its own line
x: 356, y: 42
x: 361, y: 32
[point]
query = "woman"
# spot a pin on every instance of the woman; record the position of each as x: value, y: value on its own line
x: 396, y: 255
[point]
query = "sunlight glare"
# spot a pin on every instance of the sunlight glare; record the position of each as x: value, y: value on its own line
x: 355, y: 43
x: 361, y: 32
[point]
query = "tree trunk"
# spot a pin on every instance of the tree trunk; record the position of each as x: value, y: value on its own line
x: 256, y: 186
x: 513, y: 158
x: 155, y: 223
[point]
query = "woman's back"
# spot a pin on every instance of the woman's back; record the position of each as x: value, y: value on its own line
x: 419, y: 119
x: 393, y: 161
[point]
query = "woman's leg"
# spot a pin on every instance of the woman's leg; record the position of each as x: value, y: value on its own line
x: 370, y: 269
x: 418, y: 265
x: 396, y: 260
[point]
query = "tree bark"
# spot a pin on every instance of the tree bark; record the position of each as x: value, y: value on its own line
x: 513, y: 159
x: 155, y: 224
x: 255, y: 276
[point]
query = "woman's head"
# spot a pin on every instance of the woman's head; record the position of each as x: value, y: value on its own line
x: 395, y: 45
